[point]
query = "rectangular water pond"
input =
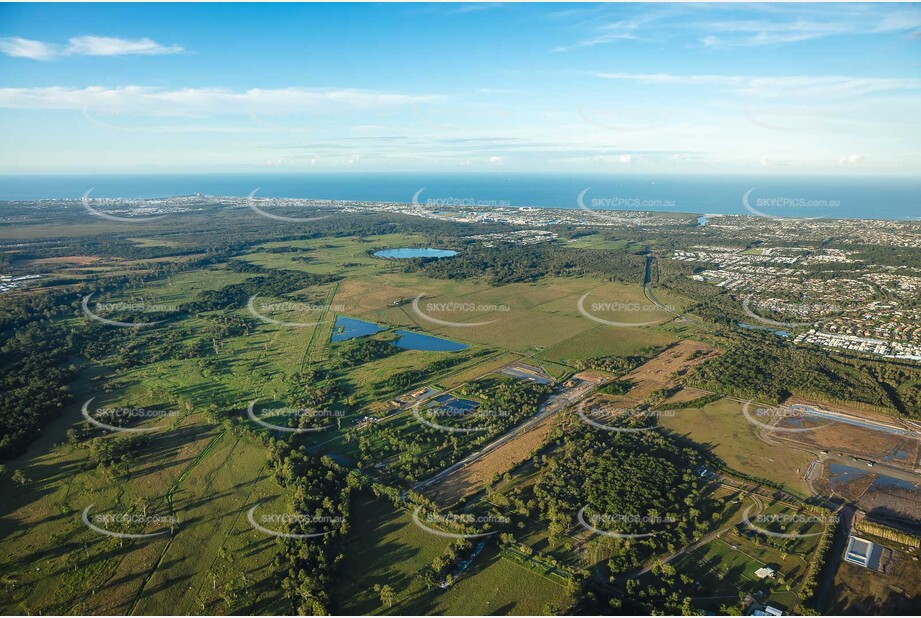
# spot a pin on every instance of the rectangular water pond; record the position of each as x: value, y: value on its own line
x: 417, y: 341
x: 453, y: 403
x: 779, y: 333
x: 839, y: 474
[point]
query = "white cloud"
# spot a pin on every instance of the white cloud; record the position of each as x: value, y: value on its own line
x: 85, y: 46
x: 760, y: 86
x: 850, y: 160
x: 618, y: 31
x: 710, y: 41
x: 767, y: 161
x: 112, y: 46
x: 765, y: 32
x: 770, y: 24
x: 774, y: 30
x: 496, y: 160
x: 25, y: 48
x: 473, y: 7
x: 145, y: 100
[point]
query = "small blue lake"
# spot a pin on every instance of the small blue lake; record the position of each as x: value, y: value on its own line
x: 839, y: 474
x: 402, y: 254
x: 884, y: 482
x: 779, y: 333
x: 417, y: 341
x: 350, y: 328
x: 453, y: 403
x: 899, y: 455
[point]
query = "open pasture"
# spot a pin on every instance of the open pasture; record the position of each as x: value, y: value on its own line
x: 722, y: 427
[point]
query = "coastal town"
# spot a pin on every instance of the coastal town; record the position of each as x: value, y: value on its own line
x: 792, y: 278
x: 460, y: 309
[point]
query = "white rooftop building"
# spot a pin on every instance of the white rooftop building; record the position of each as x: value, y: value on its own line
x: 861, y: 552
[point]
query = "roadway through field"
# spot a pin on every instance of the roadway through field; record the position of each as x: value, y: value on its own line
x: 553, y: 405
x: 634, y: 574
x: 647, y: 290
x: 775, y: 438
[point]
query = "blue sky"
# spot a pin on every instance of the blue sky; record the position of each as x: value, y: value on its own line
x: 651, y: 88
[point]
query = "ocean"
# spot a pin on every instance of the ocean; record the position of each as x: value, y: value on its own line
x: 777, y: 196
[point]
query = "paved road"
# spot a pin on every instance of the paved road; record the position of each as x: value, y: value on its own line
x: 759, y: 506
x: 553, y: 405
x: 878, y: 467
x: 777, y: 438
x: 647, y: 290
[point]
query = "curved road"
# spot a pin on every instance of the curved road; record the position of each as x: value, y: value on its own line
x: 647, y: 290
x: 692, y: 546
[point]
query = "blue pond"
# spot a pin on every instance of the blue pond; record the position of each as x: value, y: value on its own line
x: 780, y: 333
x: 350, y: 328
x: 839, y: 474
x: 449, y: 401
x: 417, y: 341
x: 402, y: 254
x: 884, y: 482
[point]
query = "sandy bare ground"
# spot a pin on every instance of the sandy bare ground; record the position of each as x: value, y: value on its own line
x: 70, y: 259
x: 660, y: 372
x: 687, y: 394
x: 667, y: 368
x: 477, y: 475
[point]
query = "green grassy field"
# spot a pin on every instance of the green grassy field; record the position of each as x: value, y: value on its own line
x: 193, y: 470
x: 386, y: 548
x: 725, y: 569
x: 726, y: 566
x: 541, y: 314
x: 722, y: 427
x: 495, y: 585
x: 208, y: 476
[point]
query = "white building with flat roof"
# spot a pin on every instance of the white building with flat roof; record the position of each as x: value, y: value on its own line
x: 861, y: 552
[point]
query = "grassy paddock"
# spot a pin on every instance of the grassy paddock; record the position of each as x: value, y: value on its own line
x: 722, y: 427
